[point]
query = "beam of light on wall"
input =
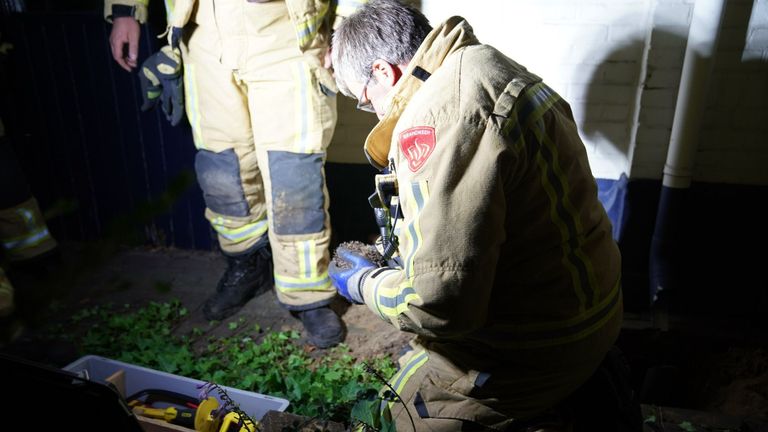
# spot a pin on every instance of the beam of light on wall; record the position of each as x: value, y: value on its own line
x: 756, y: 44
x: 589, y: 51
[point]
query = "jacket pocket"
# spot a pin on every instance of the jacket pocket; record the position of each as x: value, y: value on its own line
x: 321, y: 98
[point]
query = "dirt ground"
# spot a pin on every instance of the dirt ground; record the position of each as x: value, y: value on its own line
x: 698, y: 371
x: 139, y: 275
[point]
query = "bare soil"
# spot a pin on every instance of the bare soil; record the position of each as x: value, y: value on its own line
x: 721, y: 381
x: 366, y: 250
x: 140, y: 275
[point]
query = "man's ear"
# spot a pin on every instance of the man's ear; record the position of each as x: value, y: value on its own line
x: 385, y: 73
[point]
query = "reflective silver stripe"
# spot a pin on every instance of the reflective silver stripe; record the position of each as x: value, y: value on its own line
x: 254, y: 229
x: 302, y: 77
x: 404, y: 374
x: 284, y: 283
x: 33, y: 239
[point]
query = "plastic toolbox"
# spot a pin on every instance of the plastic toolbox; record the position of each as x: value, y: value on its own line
x: 138, y: 378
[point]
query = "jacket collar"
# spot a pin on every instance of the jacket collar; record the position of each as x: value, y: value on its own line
x: 452, y: 35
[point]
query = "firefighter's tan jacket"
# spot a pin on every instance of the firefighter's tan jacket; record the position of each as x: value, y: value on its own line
x: 505, y: 244
x: 312, y: 19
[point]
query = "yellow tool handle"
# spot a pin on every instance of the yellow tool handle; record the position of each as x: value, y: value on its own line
x: 230, y: 424
x: 181, y: 417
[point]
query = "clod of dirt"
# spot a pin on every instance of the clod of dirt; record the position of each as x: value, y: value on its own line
x: 366, y: 250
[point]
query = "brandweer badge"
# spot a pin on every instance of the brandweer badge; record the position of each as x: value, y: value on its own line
x: 417, y: 144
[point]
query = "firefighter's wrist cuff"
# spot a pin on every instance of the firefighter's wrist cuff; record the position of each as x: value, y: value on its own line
x: 137, y: 12
x: 119, y: 11
x: 355, y: 285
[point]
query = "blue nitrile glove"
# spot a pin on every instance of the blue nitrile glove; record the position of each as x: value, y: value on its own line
x: 347, y: 271
x: 161, y: 81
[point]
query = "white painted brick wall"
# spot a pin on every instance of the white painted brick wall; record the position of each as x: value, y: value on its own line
x: 593, y: 52
x: 734, y: 135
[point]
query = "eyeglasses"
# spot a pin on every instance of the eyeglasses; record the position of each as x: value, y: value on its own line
x: 366, y: 106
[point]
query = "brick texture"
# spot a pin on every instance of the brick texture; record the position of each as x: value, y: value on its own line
x: 618, y: 62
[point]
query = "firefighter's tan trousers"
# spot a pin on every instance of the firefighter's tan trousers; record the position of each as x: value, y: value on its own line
x: 23, y: 235
x: 261, y: 127
x: 23, y: 231
x: 6, y: 295
x: 440, y: 395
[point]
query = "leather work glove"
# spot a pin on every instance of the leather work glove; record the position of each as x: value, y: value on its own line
x: 347, y: 270
x: 162, y: 81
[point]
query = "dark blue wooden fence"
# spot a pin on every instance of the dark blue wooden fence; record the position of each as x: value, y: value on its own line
x: 74, y: 120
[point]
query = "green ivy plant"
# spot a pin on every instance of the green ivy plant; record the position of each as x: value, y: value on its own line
x: 333, y: 386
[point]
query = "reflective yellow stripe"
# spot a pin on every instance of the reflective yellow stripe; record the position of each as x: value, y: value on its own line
x: 6, y: 293
x: 572, y: 337
x: 302, y: 79
x: 27, y: 241
x: 28, y: 215
x: 318, y: 283
x: 35, y: 233
x: 542, y: 97
x: 393, y: 301
x: 574, y: 215
x: 418, y: 194
x: 307, y: 258
x: 381, y: 278
x: 553, y: 198
x: 169, y: 6
x: 303, y: 264
x: 552, y: 333
x: 310, y: 278
x: 532, y: 106
x: 237, y: 235
x: 306, y: 30
x: 587, y: 315
x: 193, y: 105
x: 403, y: 375
x: 5, y: 285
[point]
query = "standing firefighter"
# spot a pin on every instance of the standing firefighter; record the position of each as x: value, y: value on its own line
x: 262, y: 108
x: 24, y: 235
x: 509, y: 276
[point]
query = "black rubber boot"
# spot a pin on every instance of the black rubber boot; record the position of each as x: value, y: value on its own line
x: 247, y: 275
x: 323, y: 326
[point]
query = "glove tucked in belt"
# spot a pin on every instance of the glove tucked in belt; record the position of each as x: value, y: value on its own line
x: 162, y: 81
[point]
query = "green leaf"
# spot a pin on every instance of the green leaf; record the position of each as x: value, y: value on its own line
x: 326, y: 386
x: 367, y: 412
x: 687, y: 426
x: 332, y: 375
x: 387, y: 425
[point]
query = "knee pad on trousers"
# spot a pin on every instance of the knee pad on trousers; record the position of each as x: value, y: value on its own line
x: 298, y: 200
x: 219, y: 177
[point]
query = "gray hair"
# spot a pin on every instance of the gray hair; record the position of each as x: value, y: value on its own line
x: 381, y: 29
